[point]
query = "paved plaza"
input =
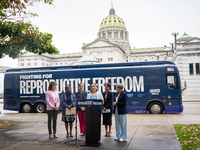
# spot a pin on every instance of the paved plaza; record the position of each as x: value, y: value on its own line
x: 145, y: 131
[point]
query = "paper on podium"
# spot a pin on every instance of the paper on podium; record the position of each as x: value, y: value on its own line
x: 71, y: 111
x: 106, y: 111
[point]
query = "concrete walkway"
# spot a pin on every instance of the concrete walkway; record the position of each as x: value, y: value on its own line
x: 145, y: 132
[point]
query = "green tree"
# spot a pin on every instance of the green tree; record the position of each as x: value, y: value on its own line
x: 17, y: 35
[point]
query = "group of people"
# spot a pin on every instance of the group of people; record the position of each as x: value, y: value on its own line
x: 68, y: 100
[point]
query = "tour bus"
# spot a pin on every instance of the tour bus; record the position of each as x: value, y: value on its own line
x: 151, y: 87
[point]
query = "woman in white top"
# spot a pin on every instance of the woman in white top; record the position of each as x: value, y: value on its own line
x: 94, y: 94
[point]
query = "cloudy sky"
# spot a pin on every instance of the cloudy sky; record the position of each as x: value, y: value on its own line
x: 149, y: 22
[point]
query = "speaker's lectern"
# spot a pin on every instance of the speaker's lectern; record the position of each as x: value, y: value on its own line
x: 93, y: 120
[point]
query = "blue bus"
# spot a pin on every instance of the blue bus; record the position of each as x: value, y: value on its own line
x: 151, y: 87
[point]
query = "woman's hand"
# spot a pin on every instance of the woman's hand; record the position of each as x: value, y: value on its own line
x: 114, y: 103
x: 104, y: 109
x: 69, y: 106
x: 83, y: 108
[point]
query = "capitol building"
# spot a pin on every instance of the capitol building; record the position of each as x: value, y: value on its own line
x: 112, y: 46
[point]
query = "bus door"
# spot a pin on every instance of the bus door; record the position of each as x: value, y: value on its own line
x: 173, y: 90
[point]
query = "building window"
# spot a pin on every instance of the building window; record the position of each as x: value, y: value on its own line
x: 116, y: 34
x: 191, y: 68
x: 110, y: 59
x: 47, y: 65
x: 197, y: 68
x: 35, y: 64
x: 29, y: 64
x: 22, y: 59
x: 42, y: 64
x: 22, y: 64
x: 100, y: 59
x: 35, y: 58
x: 29, y: 59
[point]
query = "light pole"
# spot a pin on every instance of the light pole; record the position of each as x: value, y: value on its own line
x: 157, y: 55
x: 172, y: 44
x: 175, y: 36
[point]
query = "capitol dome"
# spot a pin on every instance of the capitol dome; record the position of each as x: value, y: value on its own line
x: 112, y: 20
x: 113, y: 29
x: 184, y: 37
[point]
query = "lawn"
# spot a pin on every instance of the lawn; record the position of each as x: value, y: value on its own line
x: 8, y: 123
x: 188, y: 135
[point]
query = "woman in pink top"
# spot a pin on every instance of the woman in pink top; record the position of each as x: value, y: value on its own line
x: 53, y: 103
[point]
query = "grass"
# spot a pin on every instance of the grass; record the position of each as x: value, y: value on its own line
x: 188, y: 135
x: 4, y: 124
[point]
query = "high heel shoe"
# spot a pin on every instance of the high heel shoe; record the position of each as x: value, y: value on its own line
x: 55, y: 136
x: 51, y: 137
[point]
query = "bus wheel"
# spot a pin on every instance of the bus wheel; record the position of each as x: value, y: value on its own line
x: 26, y: 108
x: 155, y: 108
x: 40, y: 108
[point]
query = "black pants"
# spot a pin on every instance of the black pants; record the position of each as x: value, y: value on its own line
x: 52, y: 114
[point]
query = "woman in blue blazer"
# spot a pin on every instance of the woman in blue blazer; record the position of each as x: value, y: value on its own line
x: 120, y: 112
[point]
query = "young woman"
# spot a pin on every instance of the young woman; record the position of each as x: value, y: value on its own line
x: 80, y: 95
x: 68, y: 101
x: 53, y: 103
x: 120, y: 112
x: 107, y: 108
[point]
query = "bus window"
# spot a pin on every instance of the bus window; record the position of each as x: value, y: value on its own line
x: 171, y: 81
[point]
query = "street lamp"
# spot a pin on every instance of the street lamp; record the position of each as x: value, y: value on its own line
x: 172, y: 44
x: 157, y: 55
x: 175, y: 35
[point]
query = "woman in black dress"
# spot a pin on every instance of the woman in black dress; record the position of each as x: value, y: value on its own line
x: 107, y: 109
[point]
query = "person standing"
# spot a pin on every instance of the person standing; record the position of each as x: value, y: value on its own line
x: 80, y: 95
x: 53, y: 103
x: 95, y: 130
x: 107, y: 109
x: 68, y: 101
x: 94, y: 94
x: 120, y: 112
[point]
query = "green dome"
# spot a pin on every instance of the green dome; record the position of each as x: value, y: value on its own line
x: 185, y: 37
x: 112, y: 20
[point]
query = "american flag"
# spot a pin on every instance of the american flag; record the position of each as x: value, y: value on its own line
x: 170, y: 69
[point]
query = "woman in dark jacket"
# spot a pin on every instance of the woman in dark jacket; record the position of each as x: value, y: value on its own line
x: 107, y: 109
x: 120, y: 112
x: 68, y: 101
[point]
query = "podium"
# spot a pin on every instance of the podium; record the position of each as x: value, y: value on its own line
x: 93, y: 121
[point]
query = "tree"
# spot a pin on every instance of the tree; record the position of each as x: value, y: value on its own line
x: 17, y: 35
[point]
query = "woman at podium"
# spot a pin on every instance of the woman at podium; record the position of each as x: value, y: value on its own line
x: 94, y: 93
x: 80, y: 95
x: 107, y: 109
x: 68, y: 101
x: 120, y: 112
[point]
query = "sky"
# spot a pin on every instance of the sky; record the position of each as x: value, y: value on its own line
x: 150, y: 23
